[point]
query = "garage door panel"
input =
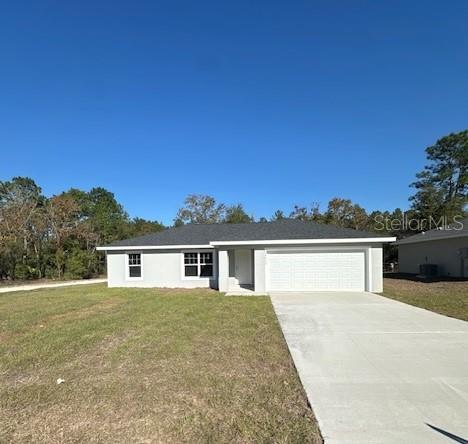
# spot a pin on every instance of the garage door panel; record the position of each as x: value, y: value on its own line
x: 306, y: 271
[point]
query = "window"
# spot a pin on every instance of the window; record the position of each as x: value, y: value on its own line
x: 134, y: 265
x: 198, y: 265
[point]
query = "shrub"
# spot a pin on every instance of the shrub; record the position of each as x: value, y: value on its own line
x: 79, y: 265
x: 25, y: 271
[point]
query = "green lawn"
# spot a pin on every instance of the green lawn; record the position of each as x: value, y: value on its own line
x: 144, y: 366
x: 449, y: 298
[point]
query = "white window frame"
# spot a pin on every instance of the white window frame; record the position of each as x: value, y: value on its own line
x: 198, y: 264
x: 127, y: 266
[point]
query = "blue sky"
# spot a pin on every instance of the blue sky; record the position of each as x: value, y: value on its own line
x: 266, y: 103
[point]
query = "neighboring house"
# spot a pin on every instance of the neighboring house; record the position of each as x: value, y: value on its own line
x: 286, y: 255
x: 446, y: 247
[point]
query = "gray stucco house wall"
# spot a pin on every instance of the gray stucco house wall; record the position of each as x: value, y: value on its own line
x: 160, y: 268
x: 448, y: 254
x: 445, y: 247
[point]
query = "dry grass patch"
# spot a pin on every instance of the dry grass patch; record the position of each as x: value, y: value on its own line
x: 449, y: 298
x: 146, y: 366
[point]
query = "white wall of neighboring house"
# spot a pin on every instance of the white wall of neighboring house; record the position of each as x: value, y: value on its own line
x: 443, y: 252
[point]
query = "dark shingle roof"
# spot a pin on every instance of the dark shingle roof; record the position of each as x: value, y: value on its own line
x: 457, y: 229
x: 194, y: 234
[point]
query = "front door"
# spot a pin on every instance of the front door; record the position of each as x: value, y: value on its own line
x: 243, y: 259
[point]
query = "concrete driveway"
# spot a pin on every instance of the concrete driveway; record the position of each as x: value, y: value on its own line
x: 376, y: 370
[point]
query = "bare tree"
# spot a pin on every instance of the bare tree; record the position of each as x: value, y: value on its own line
x: 200, y: 209
x: 63, y: 218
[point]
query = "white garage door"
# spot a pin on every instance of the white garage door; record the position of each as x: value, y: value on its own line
x: 318, y: 270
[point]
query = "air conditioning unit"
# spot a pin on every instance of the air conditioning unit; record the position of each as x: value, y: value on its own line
x: 428, y: 270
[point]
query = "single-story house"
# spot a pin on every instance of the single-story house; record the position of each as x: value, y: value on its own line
x: 285, y: 255
x: 446, y: 247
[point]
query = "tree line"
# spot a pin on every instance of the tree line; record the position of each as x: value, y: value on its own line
x: 56, y: 237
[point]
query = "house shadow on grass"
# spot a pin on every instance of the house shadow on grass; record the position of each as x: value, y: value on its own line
x: 448, y: 434
x: 418, y: 278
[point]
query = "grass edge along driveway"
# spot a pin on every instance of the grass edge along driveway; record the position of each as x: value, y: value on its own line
x: 449, y: 298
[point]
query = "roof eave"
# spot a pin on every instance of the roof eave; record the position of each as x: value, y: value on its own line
x: 409, y: 240
x: 357, y: 240
x: 213, y: 244
x: 151, y: 247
